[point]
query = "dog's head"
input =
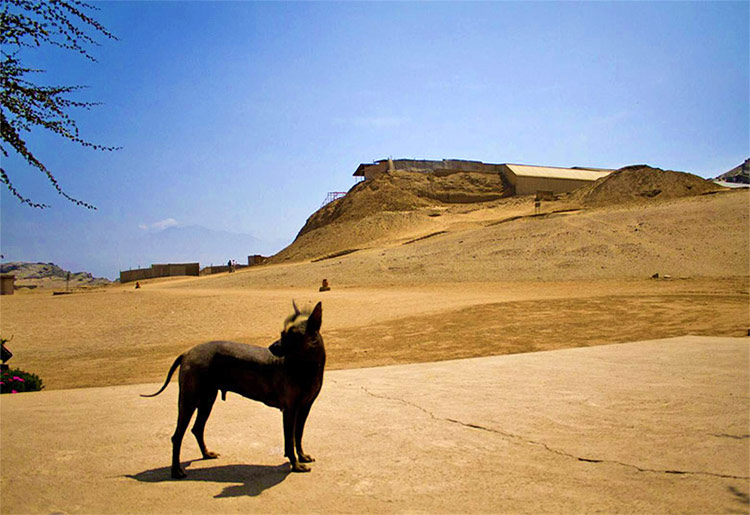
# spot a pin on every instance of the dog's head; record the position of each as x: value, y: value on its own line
x: 300, y: 333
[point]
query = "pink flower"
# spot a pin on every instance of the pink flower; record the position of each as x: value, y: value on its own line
x: 13, y: 391
x: 16, y: 378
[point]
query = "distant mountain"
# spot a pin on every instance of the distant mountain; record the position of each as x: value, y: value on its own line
x: 737, y: 175
x: 48, y: 275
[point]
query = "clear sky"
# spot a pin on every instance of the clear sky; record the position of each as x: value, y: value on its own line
x: 241, y: 116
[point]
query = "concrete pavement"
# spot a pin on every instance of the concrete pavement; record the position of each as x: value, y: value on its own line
x: 655, y: 426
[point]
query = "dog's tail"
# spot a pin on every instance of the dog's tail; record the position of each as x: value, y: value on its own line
x: 176, y: 364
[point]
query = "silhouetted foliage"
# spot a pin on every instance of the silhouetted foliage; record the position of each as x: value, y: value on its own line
x: 25, y: 104
x: 13, y: 380
x: 16, y: 381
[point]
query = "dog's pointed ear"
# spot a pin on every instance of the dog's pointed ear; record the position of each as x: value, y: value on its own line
x: 315, y: 319
x: 296, y: 309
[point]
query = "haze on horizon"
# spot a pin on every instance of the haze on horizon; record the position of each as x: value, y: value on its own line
x: 239, y: 117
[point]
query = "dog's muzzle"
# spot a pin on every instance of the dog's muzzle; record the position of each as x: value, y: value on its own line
x: 276, y: 349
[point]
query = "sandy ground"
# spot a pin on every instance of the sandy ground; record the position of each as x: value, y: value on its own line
x: 126, y: 336
x: 700, y: 235
x: 480, y: 279
x: 648, y: 427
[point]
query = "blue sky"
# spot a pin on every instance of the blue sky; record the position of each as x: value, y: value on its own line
x: 241, y: 116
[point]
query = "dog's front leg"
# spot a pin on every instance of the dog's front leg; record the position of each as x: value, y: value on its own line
x: 299, y: 429
x: 290, y: 419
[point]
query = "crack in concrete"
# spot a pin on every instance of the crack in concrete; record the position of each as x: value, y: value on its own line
x: 551, y: 449
x: 734, y: 437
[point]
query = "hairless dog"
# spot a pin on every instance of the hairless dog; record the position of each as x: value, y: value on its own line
x: 287, y: 375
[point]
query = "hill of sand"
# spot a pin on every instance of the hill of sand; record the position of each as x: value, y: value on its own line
x: 698, y: 236
x: 398, y: 207
x: 391, y: 206
x: 407, y: 191
x: 639, y: 183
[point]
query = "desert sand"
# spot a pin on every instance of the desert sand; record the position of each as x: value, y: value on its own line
x: 415, y: 290
x: 529, y: 283
x: 126, y: 336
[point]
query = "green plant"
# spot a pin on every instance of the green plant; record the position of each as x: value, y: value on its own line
x: 14, y: 380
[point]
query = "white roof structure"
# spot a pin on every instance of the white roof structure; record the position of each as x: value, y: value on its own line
x: 551, y: 172
x: 732, y: 184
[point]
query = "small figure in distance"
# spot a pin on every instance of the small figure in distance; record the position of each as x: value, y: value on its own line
x: 137, y: 285
x: 325, y: 286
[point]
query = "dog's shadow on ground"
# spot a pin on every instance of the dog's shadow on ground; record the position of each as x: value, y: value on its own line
x: 252, y: 479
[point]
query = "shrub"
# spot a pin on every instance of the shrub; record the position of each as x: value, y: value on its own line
x: 14, y: 380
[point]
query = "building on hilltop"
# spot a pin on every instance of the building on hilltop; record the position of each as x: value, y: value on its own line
x: 739, y: 176
x: 528, y: 180
x: 525, y: 179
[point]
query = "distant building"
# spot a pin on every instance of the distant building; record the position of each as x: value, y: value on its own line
x: 256, y: 259
x: 739, y: 176
x: 525, y: 179
x: 161, y: 270
x: 7, y: 284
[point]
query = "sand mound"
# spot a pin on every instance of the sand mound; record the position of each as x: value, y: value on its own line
x: 399, y: 206
x: 407, y: 191
x: 642, y: 182
x: 389, y: 206
x: 379, y: 228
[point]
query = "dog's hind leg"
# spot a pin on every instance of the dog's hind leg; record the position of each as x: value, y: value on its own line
x: 204, y: 410
x: 186, y: 408
x: 302, y: 413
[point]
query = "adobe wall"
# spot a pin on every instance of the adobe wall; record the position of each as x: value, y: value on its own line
x: 217, y: 269
x: 160, y: 270
x: 375, y: 169
x: 442, y: 167
x: 530, y: 185
x: 256, y: 259
x: 7, y: 284
x: 139, y: 274
x: 172, y: 269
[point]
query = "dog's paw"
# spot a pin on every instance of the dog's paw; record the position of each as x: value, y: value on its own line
x: 300, y: 467
x: 208, y: 455
x: 305, y: 458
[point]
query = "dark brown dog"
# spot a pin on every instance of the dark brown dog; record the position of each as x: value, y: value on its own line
x: 287, y: 375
